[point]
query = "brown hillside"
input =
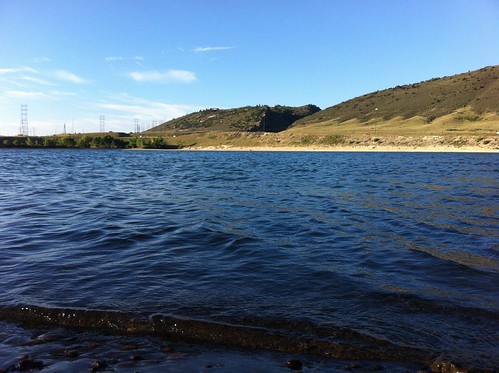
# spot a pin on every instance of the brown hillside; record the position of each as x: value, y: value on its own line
x: 477, y: 90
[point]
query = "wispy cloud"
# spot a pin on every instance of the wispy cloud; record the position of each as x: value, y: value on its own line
x: 37, y: 80
x: 120, y: 58
x: 170, y: 76
x: 70, y: 77
x: 41, y: 59
x: 18, y: 70
x: 62, y: 94
x: 18, y: 94
x: 210, y: 49
x: 114, y: 58
x: 128, y: 107
x: 38, y: 94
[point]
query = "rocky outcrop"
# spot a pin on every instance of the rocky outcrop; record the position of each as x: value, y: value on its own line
x: 261, y: 118
x: 280, y: 118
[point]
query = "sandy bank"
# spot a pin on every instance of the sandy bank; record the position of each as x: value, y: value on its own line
x: 364, y: 143
x: 422, y: 149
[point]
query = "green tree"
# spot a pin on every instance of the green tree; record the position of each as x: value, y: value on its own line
x: 85, y: 141
x: 49, y: 142
x: 156, y: 143
x: 67, y: 142
x: 97, y: 142
x: 132, y: 142
x: 108, y: 141
x: 141, y: 143
x: 119, y: 143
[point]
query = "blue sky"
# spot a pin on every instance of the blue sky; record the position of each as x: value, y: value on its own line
x: 72, y: 61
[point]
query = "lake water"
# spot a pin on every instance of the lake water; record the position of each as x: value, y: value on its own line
x: 383, y: 256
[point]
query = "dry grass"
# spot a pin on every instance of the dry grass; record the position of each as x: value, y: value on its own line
x: 460, y: 110
x: 461, y: 122
x: 407, y: 133
x: 477, y: 90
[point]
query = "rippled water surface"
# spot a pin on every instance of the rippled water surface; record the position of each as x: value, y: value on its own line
x: 399, y: 247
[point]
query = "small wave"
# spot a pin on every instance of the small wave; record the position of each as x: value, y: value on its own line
x: 276, y: 336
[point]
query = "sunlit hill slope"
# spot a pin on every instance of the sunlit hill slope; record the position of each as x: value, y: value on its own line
x: 460, y: 105
x: 431, y: 99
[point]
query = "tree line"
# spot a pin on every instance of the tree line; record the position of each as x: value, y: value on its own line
x: 86, y: 142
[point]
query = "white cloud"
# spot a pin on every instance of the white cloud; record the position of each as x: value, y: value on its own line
x: 128, y: 108
x: 24, y: 69
x: 210, y: 49
x: 62, y: 94
x: 38, y: 94
x: 41, y: 59
x: 16, y: 94
x: 36, y: 80
x: 70, y: 77
x: 114, y: 58
x: 180, y: 76
x: 119, y: 58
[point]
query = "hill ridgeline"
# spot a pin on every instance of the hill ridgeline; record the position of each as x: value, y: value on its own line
x: 476, y: 91
x: 246, y: 119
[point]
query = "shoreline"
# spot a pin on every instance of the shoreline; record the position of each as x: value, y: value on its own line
x: 360, y: 149
x: 424, y: 144
x: 62, y: 349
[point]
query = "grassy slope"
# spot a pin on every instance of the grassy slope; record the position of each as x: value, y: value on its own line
x: 466, y: 103
x: 448, y: 108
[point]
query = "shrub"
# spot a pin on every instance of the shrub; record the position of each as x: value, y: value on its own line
x: 85, y: 141
x: 49, y: 142
x: 333, y: 140
x: 67, y: 142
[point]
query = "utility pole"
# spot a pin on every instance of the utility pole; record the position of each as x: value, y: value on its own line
x: 24, y: 121
x: 102, y: 123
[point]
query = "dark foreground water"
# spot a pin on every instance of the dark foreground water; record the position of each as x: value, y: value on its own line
x: 383, y: 257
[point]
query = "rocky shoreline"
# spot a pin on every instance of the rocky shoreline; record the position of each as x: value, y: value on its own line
x: 438, y: 144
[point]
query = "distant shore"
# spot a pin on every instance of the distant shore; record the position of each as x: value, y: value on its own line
x: 265, y: 141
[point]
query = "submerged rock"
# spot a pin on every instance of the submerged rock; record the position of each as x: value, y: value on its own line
x: 98, y: 365
x: 25, y: 363
x: 294, y: 364
x: 443, y: 366
x: 71, y: 353
x: 136, y: 357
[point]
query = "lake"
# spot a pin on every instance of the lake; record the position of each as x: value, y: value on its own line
x: 350, y: 256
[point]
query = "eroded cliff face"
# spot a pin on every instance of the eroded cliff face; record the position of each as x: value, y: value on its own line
x: 279, y: 118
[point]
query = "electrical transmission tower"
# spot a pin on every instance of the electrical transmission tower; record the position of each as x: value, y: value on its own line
x: 102, y: 123
x: 137, y: 125
x: 24, y: 121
